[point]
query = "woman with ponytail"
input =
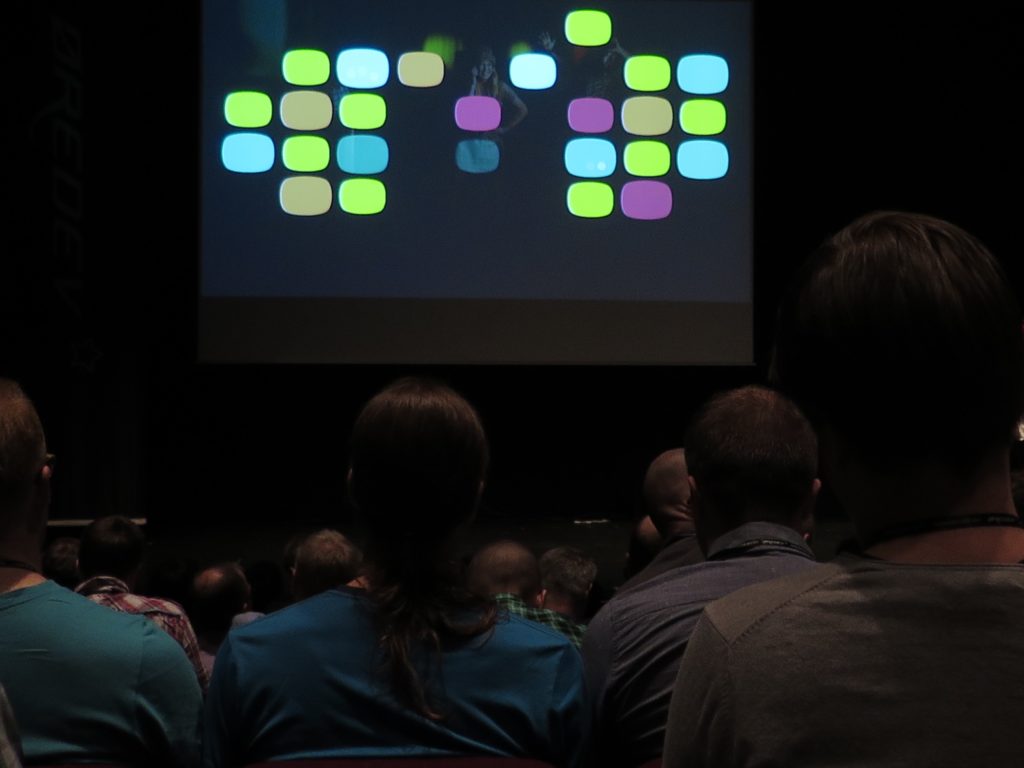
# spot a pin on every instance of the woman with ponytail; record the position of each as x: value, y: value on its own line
x: 410, y: 665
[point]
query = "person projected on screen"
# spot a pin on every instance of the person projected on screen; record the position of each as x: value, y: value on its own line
x: 487, y: 82
x: 412, y: 665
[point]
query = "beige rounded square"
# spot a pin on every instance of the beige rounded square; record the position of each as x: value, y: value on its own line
x: 647, y: 115
x: 420, y: 69
x: 306, y: 195
x: 306, y: 110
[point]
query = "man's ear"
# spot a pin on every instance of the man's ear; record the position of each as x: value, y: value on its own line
x: 540, y: 599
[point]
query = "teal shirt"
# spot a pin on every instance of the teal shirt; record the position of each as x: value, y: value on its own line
x: 90, y: 684
x: 307, y: 682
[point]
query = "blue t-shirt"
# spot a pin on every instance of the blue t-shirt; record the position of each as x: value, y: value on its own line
x: 308, y: 682
x: 90, y: 684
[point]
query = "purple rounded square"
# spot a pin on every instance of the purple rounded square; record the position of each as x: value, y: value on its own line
x: 591, y: 115
x: 477, y: 113
x: 646, y: 200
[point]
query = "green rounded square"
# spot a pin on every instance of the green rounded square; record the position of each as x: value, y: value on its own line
x: 588, y: 28
x: 647, y: 158
x: 305, y: 153
x: 362, y: 196
x: 362, y: 111
x: 248, y: 109
x: 590, y: 199
x: 305, y: 66
x: 648, y: 73
x: 702, y: 117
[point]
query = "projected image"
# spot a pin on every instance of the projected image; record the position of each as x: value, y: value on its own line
x: 492, y: 108
x: 532, y: 151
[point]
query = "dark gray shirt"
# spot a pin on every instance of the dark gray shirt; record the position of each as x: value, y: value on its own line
x: 856, y: 663
x: 632, y: 647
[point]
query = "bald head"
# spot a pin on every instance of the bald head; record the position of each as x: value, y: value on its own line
x: 666, y: 493
x: 218, y: 594
x: 504, y: 567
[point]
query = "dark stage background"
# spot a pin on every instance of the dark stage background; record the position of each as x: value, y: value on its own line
x: 858, y: 107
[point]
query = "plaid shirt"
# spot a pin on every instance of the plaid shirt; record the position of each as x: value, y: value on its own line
x: 166, y: 614
x: 514, y: 604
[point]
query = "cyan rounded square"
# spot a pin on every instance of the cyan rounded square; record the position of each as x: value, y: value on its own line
x: 590, y: 199
x: 702, y: 73
x: 588, y: 28
x: 702, y: 117
x: 247, y: 152
x: 702, y: 159
x: 646, y: 200
x: 477, y: 155
x: 591, y: 115
x: 305, y: 195
x: 533, y: 71
x: 305, y: 67
x: 362, y: 68
x: 363, y: 154
x: 248, y: 109
x: 590, y: 158
x: 647, y: 73
x: 478, y: 113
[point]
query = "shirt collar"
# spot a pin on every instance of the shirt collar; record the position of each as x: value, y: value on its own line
x: 762, y: 536
x: 107, y: 585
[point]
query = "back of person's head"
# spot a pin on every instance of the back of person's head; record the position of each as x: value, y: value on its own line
x: 219, y: 593
x: 504, y: 566
x: 60, y: 561
x: 22, y: 452
x: 418, y: 459
x: 566, y: 576
x: 902, y: 337
x: 324, y: 560
x: 666, y: 492
x: 112, y: 545
x: 753, y: 456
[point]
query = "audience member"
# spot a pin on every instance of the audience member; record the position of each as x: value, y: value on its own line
x: 508, y: 572
x: 566, y: 578
x: 666, y: 495
x: 219, y: 594
x: 86, y: 684
x: 110, y: 557
x: 411, y: 665
x: 753, y: 464
x: 324, y: 560
x: 901, y: 339
x: 60, y: 561
x: 10, y: 741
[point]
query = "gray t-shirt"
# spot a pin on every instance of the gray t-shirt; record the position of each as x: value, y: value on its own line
x: 858, y: 662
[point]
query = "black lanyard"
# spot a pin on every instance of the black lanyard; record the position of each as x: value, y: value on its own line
x: 918, y: 527
x: 739, y: 549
